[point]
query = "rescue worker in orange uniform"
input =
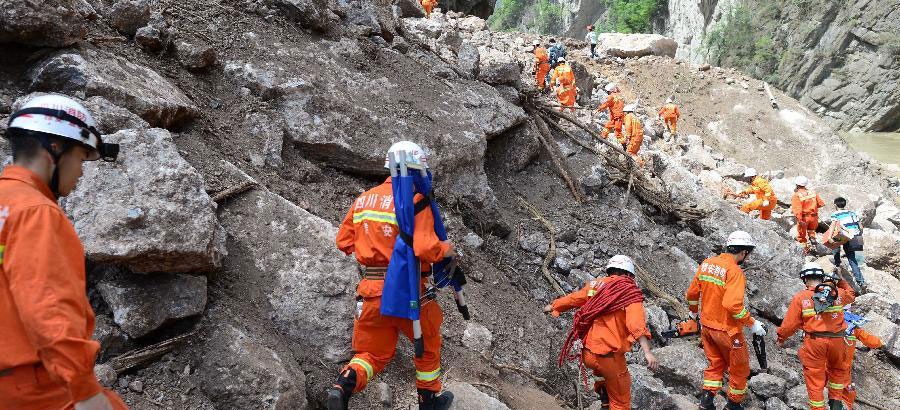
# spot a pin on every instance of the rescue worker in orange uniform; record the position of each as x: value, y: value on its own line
x: 46, y: 321
x: 428, y: 5
x: 369, y: 230
x: 805, y: 206
x: 564, y: 79
x: 853, y: 335
x: 819, y: 311
x: 541, y: 65
x: 634, y: 133
x: 670, y: 115
x: 717, y: 290
x: 610, y: 337
x: 616, y: 105
x: 764, y: 197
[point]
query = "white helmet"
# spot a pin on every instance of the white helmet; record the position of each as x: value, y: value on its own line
x: 630, y: 108
x: 670, y: 100
x: 801, y: 181
x: 621, y: 262
x: 750, y: 172
x: 561, y: 60
x: 61, y: 117
x: 740, y: 238
x: 811, y: 269
x: 537, y: 43
x: 416, y: 157
x: 610, y: 87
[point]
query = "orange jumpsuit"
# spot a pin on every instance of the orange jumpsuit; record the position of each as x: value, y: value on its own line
x: 805, y: 206
x: 670, y: 115
x: 605, y: 345
x: 616, y: 105
x: 634, y: 134
x: 369, y: 230
x: 718, y: 291
x: 762, y: 192
x: 869, y: 340
x: 824, y: 351
x: 46, y: 321
x: 542, y: 66
x: 565, y: 89
x: 428, y: 5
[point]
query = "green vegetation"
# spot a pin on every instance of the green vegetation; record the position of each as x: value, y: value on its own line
x: 744, y: 41
x: 507, y: 14
x: 549, y: 17
x: 546, y: 19
x: 630, y: 16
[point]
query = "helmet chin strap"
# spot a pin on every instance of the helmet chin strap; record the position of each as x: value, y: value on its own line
x: 54, y: 180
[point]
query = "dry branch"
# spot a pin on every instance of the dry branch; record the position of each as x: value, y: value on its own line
x: 651, y: 285
x: 233, y: 191
x: 545, y: 138
x: 551, y: 252
x: 143, y: 355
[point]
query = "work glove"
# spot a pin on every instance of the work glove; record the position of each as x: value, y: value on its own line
x: 765, y: 203
x: 758, y: 328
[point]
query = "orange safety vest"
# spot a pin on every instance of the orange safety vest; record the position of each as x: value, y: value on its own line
x: 718, y: 291
x: 802, y: 314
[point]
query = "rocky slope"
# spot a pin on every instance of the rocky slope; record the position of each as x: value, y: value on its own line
x: 299, y: 98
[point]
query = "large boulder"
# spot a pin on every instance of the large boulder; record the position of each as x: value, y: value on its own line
x: 141, y: 304
x: 681, y: 363
x: 148, y: 210
x: 881, y: 249
x: 123, y: 82
x: 128, y: 16
x: 44, y: 23
x: 497, y: 67
x: 306, y: 273
x: 884, y: 305
x: 467, y: 397
x: 636, y: 45
x: 238, y: 371
x: 766, y: 385
x: 648, y: 392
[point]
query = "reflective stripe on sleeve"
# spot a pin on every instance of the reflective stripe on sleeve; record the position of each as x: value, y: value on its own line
x: 365, y: 365
x: 742, y: 314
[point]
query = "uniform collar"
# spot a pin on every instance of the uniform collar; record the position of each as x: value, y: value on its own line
x: 27, y: 176
x: 729, y: 257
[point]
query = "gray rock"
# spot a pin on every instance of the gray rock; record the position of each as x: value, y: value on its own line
x: 128, y: 16
x: 106, y: 375
x: 791, y: 375
x: 683, y: 402
x: 195, y: 56
x: 44, y: 23
x: 409, y: 8
x: 766, y: 385
x: 148, y: 210
x: 310, y: 274
x: 469, y: 60
x: 497, y: 67
x: 535, y: 242
x: 112, y: 340
x: 136, y: 386
x: 636, y: 45
x: 513, y: 150
x: 473, y: 241
x: 314, y: 14
x: 681, y: 363
x: 648, y: 392
x: 239, y: 372
x: 384, y: 394
x: 270, y: 132
x: 797, y: 398
x: 595, y: 180
x: 656, y: 318
x: 467, y: 397
x: 774, y: 403
x: 150, y: 38
x: 881, y: 250
x: 564, y: 260
x: 477, y: 338
x: 122, y: 82
x: 878, y: 303
x: 142, y: 304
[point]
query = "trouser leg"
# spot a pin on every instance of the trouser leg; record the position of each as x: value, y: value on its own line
x: 717, y: 361
x: 738, y: 368
x: 374, y: 342
x: 854, y: 265
x: 617, y: 380
x: 837, y: 374
x: 813, y: 358
x: 428, y: 367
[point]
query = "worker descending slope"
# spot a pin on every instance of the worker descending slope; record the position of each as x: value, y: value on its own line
x: 541, y: 65
x: 616, y: 105
x: 853, y: 334
x: 428, y: 5
x: 46, y: 322
x: 764, y: 199
x: 610, y: 319
x: 849, y: 222
x: 819, y: 311
x: 370, y: 231
x: 805, y: 206
x: 563, y: 78
x: 634, y: 133
x: 670, y: 115
x: 717, y: 290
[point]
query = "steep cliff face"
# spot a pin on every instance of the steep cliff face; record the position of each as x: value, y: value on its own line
x: 840, y: 59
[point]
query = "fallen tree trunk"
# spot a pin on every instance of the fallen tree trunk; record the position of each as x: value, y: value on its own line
x: 543, y: 136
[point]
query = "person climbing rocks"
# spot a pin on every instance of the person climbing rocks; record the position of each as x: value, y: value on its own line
x: 370, y: 230
x: 717, y: 291
x: 819, y: 311
x: 555, y: 52
x: 634, y: 133
x: 591, y: 38
x: 670, y: 115
x: 615, y: 103
x: 764, y: 199
x: 563, y: 78
x: 805, y: 206
x: 541, y: 65
x: 610, y: 319
x: 853, y: 334
x: 47, y: 359
x: 850, y: 221
x: 428, y: 5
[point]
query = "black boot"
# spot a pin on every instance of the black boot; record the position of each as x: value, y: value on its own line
x: 339, y: 394
x: 707, y: 402
x: 604, y: 397
x: 835, y: 405
x: 733, y: 406
x: 428, y: 400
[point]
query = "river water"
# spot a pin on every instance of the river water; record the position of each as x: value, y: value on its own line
x: 883, y: 146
